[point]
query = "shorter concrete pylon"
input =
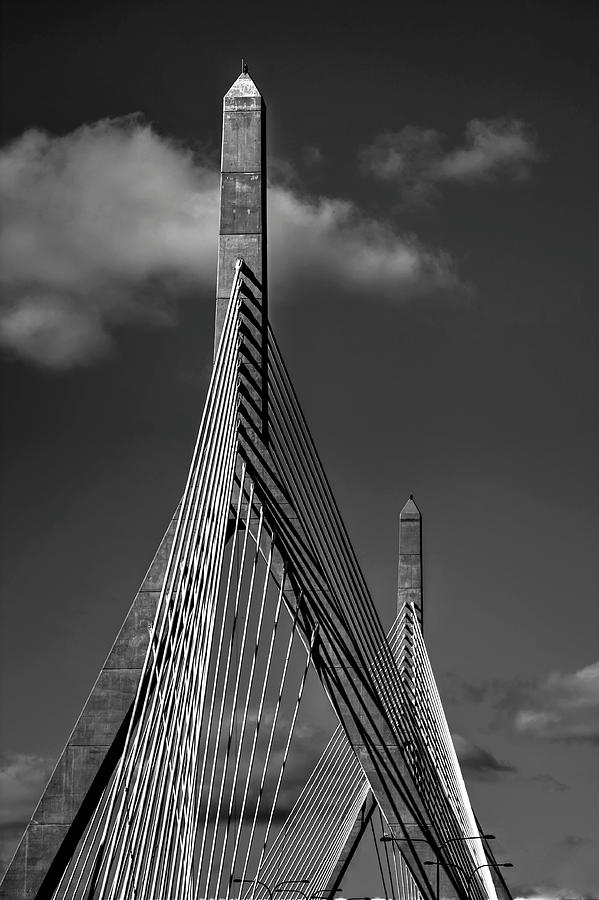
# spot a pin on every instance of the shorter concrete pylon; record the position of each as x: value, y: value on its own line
x: 409, y: 576
x: 409, y: 590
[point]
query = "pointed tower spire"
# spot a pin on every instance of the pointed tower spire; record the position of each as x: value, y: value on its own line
x: 242, y: 231
x: 409, y: 582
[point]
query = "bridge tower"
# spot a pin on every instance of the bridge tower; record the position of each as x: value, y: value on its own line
x: 171, y: 781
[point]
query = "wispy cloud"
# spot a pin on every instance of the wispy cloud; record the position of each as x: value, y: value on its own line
x: 550, y: 782
x: 417, y: 160
x: 562, y: 707
x: 22, y: 775
x: 575, y: 842
x: 328, y: 240
x: 479, y: 763
x: 312, y: 156
x: 22, y: 778
x: 549, y: 892
x: 557, y: 707
x: 540, y: 893
x: 106, y: 225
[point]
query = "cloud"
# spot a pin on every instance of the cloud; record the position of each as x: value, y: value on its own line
x: 545, y: 891
x: 108, y: 224
x: 550, y: 782
x: 574, y: 842
x: 22, y: 776
x: 312, y: 156
x: 479, y: 763
x: 558, y: 707
x: 548, y: 892
x: 101, y: 227
x: 22, y: 779
x: 331, y: 241
x: 10, y: 835
x: 563, y: 707
x: 416, y: 159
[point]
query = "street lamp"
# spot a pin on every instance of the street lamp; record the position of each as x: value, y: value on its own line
x: 494, y: 865
x: 437, y: 849
x: 469, y: 877
x: 433, y: 862
x: 389, y: 838
x: 471, y: 837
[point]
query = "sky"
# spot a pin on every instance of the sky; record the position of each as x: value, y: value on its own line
x: 433, y: 286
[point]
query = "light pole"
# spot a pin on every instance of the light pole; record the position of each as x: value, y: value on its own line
x: 469, y: 877
x: 506, y: 865
x: 390, y: 839
x: 435, y: 862
x: 470, y: 837
x: 437, y: 850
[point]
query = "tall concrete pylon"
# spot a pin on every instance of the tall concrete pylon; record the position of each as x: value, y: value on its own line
x: 242, y: 228
x: 242, y: 225
x: 92, y: 750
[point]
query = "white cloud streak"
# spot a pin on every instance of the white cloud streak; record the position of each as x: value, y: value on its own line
x: 105, y: 226
x: 546, y: 892
x: 562, y: 707
x: 416, y: 159
x: 331, y: 239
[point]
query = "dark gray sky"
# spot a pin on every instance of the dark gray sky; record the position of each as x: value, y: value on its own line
x: 434, y: 290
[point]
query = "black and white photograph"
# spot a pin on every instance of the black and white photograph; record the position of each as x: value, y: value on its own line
x: 299, y: 493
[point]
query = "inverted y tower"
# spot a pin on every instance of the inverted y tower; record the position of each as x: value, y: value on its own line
x: 89, y: 757
x: 409, y: 576
x: 274, y: 474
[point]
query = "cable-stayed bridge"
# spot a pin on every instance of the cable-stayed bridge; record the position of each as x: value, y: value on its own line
x: 179, y: 780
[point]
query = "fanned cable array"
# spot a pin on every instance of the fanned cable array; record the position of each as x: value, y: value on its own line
x: 141, y: 835
x: 262, y: 585
x: 427, y: 711
x: 329, y: 804
x: 211, y: 727
x: 359, y: 667
x: 318, y: 827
